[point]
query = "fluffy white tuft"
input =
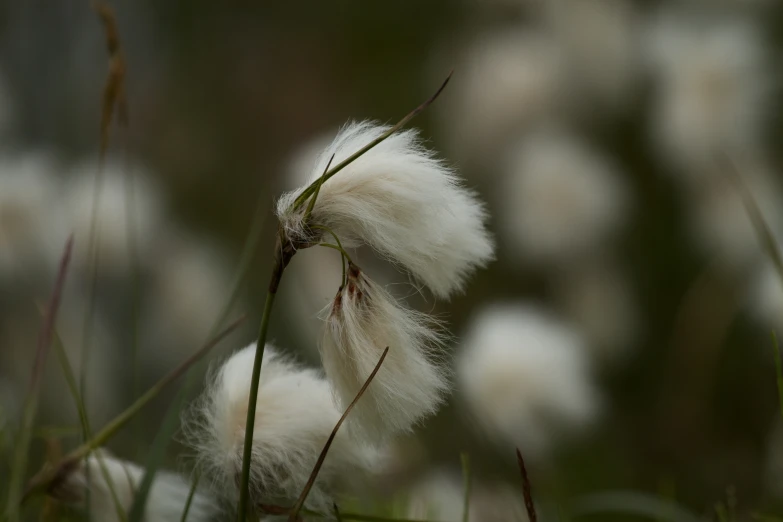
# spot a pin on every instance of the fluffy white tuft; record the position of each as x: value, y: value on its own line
x: 410, y: 385
x: 165, y: 503
x: 295, y: 415
x: 509, y: 80
x: 440, y: 497
x: 712, y: 88
x: 403, y: 202
x: 560, y: 199
x: 526, y: 377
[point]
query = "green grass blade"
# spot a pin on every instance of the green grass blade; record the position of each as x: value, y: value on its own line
x: 191, y: 493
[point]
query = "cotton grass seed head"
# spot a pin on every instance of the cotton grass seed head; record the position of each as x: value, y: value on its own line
x: 294, y: 417
x: 412, y: 382
x: 165, y: 503
x: 402, y: 201
x: 526, y: 378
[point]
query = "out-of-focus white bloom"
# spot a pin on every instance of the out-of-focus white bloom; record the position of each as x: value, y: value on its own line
x: 597, y: 298
x: 440, y: 497
x: 765, y: 297
x: 712, y: 88
x: 111, y: 215
x: 403, y: 202
x: 410, y: 385
x: 165, y: 503
x: 190, y: 284
x: 31, y: 232
x: 526, y: 377
x: 294, y: 417
x: 508, y: 80
x: 559, y: 199
x: 719, y: 220
x: 599, y: 42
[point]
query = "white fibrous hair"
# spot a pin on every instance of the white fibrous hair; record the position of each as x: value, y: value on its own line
x: 712, y: 89
x: 165, y: 503
x: 559, y: 198
x: 509, y: 81
x: 294, y: 417
x: 403, y: 202
x: 440, y: 497
x: 412, y: 382
x: 526, y: 378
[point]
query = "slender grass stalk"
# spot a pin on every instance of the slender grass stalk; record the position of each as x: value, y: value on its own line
x: 310, y: 481
x: 31, y: 399
x: 337, y: 513
x: 49, y: 476
x: 778, y: 371
x: 189, y: 501
x: 527, y: 490
x: 466, y: 486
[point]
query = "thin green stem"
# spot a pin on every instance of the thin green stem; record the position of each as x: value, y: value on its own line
x: 189, y: 501
x: 466, y: 486
x: 343, y: 254
x: 320, y: 182
x: 247, y: 453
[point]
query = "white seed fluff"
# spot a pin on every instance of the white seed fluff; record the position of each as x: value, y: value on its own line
x: 294, y: 417
x: 410, y: 385
x: 403, y: 202
x: 712, y: 88
x: 559, y: 198
x: 165, y: 503
x: 526, y: 377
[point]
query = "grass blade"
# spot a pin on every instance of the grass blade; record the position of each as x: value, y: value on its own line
x: 778, y: 371
x: 31, y: 400
x: 300, y: 502
x: 527, y: 490
x: 189, y: 501
x: 466, y: 482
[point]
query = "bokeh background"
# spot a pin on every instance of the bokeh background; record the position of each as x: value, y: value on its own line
x: 591, y: 129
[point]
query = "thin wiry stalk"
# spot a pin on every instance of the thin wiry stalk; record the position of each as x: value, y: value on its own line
x: 310, y: 481
x: 466, y: 485
x: 337, y: 513
x: 70, y: 380
x: 400, y: 124
x: 343, y: 254
x: 527, y: 490
x: 320, y: 182
x: 189, y: 501
x: 778, y: 371
x: 47, y: 477
x: 31, y: 399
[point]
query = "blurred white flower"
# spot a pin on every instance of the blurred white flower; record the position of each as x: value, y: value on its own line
x: 440, y: 497
x: 508, y: 80
x: 165, y: 503
x: 294, y: 417
x: 597, y: 298
x: 712, y: 86
x: 559, y: 199
x: 599, y: 42
x: 32, y: 234
x: 412, y: 382
x: 190, y: 283
x: 111, y: 215
x: 526, y: 377
x: 719, y: 221
x: 403, y: 202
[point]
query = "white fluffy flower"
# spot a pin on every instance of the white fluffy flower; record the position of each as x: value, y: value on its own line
x: 111, y: 214
x: 719, y: 221
x: 410, y: 385
x: 712, y: 88
x: 294, y: 417
x: 559, y: 198
x: 165, y: 503
x: 599, y: 42
x: 31, y: 231
x: 526, y: 377
x: 508, y: 81
x: 403, y: 202
x: 440, y: 497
